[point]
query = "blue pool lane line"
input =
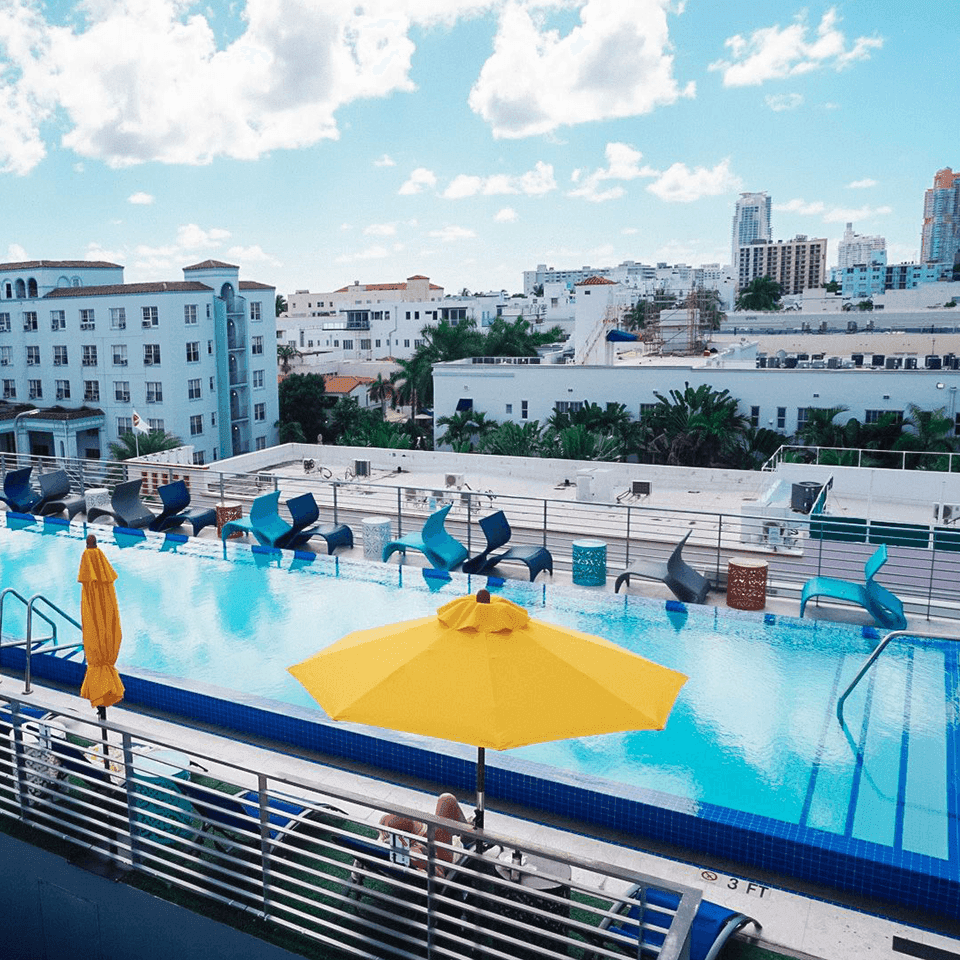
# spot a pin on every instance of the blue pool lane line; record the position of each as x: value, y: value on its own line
x: 904, y: 755
x: 952, y: 706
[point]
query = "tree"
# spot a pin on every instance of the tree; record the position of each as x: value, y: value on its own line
x: 128, y: 445
x: 382, y: 391
x: 538, y: 290
x: 579, y: 443
x: 377, y: 433
x: 514, y: 440
x: 303, y: 400
x: 516, y: 339
x: 761, y: 293
x: 465, y: 428
x: 413, y: 382
x: 929, y: 434
x: 285, y: 353
x: 832, y: 286
x: 281, y: 304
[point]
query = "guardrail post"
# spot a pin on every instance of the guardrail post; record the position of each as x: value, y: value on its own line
x: 469, y: 523
x: 719, y: 544
x: 29, y: 649
x: 399, y: 512
x: 336, y: 506
x: 131, y: 809
x: 264, y: 803
x: 221, y: 487
x: 629, y: 512
x: 544, y: 523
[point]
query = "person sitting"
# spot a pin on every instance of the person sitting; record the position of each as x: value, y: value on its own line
x: 449, y: 809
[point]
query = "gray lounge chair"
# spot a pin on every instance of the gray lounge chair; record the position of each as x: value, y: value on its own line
x: 55, y: 496
x: 496, y: 528
x: 685, y: 583
x: 125, y: 507
x: 177, y: 510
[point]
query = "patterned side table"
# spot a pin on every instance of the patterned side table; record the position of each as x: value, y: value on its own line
x: 377, y: 532
x: 589, y: 563
x: 98, y: 497
x: 746, y: 584
x: 225, y: 513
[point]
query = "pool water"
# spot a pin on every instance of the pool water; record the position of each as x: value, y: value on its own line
x: 754, y: 729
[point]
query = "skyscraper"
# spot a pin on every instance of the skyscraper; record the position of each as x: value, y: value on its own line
x: 940, y: 242
x: 855, y: 248
x: 751, y: 221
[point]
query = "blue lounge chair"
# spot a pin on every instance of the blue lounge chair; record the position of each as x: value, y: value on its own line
x: 304, y: 511
x: 264, y: 522
x: 17, y: 494
x: 684, y: 582
x: 126, y: 507
x: 55, y: 496
x: 496, y: 528
x: 885, y: 608
x: 441, y: 550
x: 177, y: 510
x: 712, y: 926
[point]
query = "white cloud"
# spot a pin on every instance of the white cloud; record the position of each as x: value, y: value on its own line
x: 783, y: 101
x: 371, y: 253
x: 192, y: 237
x: 140, y: 198
x: 380, y: 230
x: 845, y: 214
x: 506, y: 215
x: 535, y: 182
x: 629, y: 231
x: 680, y: 184
x: 800, y: 206
x: 861, y: 184
x: 385, y: 161
x: 253, y: 254
x: 623, y: 163
x: 16, y: 253
x: 419, y: 180
x: 450, y: 234
x: 773, y: 53
x: 615, y: 63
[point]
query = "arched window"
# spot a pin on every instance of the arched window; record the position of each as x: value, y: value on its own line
x: 63, y: 281
x: 7, y: 290
x: 76, y: 282
x: 31, y: 287
x: 21, y: 290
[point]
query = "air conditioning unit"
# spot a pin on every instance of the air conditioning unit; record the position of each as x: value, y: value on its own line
x: 773, y: 534
x: 946, y: 512
x: 640, y: 488
x: 361, y: 468
x: 5, y: 362
x: 454, y: 480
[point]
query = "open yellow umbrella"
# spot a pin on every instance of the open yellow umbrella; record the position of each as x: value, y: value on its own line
x: 483, y: 672
x: 100, y: 622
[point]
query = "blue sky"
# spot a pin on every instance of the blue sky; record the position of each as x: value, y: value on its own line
x: 317, y: 142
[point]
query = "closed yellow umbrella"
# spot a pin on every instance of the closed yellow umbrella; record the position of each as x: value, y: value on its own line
x: 100, y: 621
x: 483, y: 672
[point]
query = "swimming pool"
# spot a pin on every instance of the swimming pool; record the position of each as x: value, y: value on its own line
x: 752, y: 744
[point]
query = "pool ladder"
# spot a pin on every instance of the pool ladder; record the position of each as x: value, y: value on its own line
x: 872, y: 659
x: 28, y: 643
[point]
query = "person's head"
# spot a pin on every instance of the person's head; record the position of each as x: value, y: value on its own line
x: 91, y: 541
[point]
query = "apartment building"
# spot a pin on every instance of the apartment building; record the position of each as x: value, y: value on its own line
x: 751, y: 221
x: 797, y: 265
x: 940, y: 237
x: 194, y: 357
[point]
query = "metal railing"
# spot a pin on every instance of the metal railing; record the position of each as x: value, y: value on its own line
x: 941, y: 462
x: 309, y: 859
x: 923, y: 568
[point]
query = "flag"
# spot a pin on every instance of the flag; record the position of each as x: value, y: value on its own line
x: 139, y: 424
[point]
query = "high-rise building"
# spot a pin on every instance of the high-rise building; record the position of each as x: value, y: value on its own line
x: 940, y: 242
x: 855, y: 248
x: 797, y: 265
x: 751, y: 221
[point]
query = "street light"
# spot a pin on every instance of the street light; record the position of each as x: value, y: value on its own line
x: 24, y: 413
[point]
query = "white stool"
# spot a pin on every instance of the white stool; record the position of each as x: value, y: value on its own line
x: 98, y: 497
x: 377, y: 532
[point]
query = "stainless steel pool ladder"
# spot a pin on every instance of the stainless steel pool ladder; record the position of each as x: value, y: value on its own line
x: 28, y: 642
x: 881, y: 646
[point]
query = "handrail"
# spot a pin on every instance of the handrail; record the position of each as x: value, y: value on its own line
x: 814, y: 450
x: 881, y: 646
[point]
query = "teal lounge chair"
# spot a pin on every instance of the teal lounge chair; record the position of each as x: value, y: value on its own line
x: 303, y: 512
x: 177, y: 510
x: 18, y: 495
x: 441, y: 550
x: 264, y: 522
x: 885, y: 608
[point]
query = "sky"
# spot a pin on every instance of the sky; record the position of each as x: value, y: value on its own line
x: 318, y: 142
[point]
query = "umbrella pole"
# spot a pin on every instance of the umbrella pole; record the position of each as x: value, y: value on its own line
x: 478, y: 815
x: 102, y: 717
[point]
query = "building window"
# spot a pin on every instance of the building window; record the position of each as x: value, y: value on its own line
x: 211, y: 384
x: 646, y: 409
x: 364, y: 344
x: 378, y: 344
x: 754, y: 416
x: 119, y: 354
x: 91, y: 391
x: 257, y: 379
x: 524, y: 409
x: 255, y: 311
x: 260, y: 443
x: 58, y: 320
x: 509, y: 410
x: 62, y: 388
x: 198, y: 458
x: 151, y: 354
x: 30, y: 320
x: 406, y: 343
x: 157, y: 425
x: 213, y: 419
x: 874, y: 416
x: 4, y: 322
x: 88, y: 355
x: 193, y: 389
x: 154, y: 391
x: 6, y: 357
x: 210, y: 347
x: 121, y: 391
x: 190, y: 313
x: 196, y: 425
x: 256, y: 344
x: 9, y: 389
x: 87, y: 321
x: 802, y: 416
x: 193, y: 351
x: 118, y: 318
x: 781, y: 418
x: 259, y: 411
x: 124, y: 425
x: 34, y: 390
x: 568, y: 406
x: 33, y: 356
x: 150, y: 317
x: 347, y: 344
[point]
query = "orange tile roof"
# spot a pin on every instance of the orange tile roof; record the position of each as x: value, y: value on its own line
x: 593, y: 281
x: 343, y: 386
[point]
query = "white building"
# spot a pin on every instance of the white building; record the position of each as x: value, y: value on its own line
x: 303, y: 303
x: 751, y: 221
x: 196, y: 358
x: 856, y: 248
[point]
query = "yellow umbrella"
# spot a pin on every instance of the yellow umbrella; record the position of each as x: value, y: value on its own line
x: 483, y: 672
x: 100, y: 621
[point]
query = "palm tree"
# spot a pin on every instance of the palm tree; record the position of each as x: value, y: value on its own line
x: 929, y: 435
x: 382, y: 390
x: 512, y: 439
x: 281, y: 304
x: 579, y: 443
x: 761, y: 293
x: 463, y: 427
x: 127, y: 446
x: 285, y: 353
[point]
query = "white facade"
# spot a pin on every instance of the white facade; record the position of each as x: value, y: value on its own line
x: 303, y: 303
x: 751, y: 221
x: 196, y: 358
x: 856, y: 248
